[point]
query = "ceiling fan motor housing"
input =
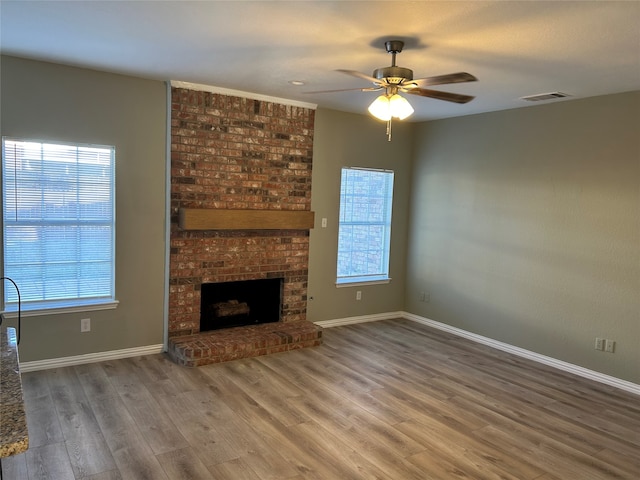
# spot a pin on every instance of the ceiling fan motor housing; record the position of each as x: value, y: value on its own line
x: 393, y: 74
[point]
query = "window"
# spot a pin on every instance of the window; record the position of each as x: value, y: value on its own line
x: 364, y: 230
x: 58, y: 224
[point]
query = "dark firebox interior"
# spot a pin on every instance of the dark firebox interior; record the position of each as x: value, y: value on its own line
x: 246, y: 302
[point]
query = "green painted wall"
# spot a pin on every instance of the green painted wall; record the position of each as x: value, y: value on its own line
x: 522, y: 225
x: 343, y: 140
x: 525, y: 228
x: 54, y: 102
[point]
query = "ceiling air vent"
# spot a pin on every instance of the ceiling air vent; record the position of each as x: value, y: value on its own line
x: 545, y: 96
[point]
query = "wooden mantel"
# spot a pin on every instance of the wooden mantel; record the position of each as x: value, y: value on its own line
x: 218, y: 219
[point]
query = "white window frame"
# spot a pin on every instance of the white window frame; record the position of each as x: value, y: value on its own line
x: 35, y: 301
x: 380, y: 220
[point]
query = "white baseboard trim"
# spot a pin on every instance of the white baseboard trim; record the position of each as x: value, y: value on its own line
x: 89, y: 358
x: 361, y: 319
x: 536, y: 357
x: 521, y: 352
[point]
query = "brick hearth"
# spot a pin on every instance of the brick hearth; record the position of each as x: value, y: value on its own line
x: 231, y: 153
x: 243, y: 342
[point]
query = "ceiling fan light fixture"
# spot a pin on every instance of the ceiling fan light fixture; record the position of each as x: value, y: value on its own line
x: 400, y: 107
x: 380, y: 108
x: 387, y: 106
x: 394, y: 79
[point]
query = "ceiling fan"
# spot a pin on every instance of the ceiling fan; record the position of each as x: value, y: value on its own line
x: 394, y: 79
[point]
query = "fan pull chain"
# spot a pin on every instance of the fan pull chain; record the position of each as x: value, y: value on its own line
x: 389, y: 130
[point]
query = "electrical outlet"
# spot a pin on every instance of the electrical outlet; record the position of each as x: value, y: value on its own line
x: 609, y: 345
x: 425, y: 297
x: 599, y: 343
x: 358, y: 295
x: 85, y: 325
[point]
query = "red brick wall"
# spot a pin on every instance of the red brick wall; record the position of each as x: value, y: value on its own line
x: 236, y: 153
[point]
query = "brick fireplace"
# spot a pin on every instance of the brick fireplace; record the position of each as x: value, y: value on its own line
x: 242, y: 155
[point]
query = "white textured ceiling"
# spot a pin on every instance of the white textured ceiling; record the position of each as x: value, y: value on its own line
x: 514, y: 48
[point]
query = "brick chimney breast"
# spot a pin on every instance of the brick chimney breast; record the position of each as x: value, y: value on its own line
x: 236, y: 153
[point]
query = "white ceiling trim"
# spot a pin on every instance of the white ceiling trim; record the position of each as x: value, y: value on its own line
x: 239, y: 93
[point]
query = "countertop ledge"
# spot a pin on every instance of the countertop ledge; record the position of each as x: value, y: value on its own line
x: 14, y: 437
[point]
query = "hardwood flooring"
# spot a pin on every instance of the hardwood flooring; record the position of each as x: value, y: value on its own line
x: 384, y: 400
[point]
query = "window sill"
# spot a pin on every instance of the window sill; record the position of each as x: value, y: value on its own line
x: 41, y: 310
x: 359, y: 283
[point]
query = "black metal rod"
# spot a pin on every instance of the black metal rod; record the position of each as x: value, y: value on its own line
x: 19, y: 307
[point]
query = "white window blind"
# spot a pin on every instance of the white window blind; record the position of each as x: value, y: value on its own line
x: 364, y: 230
x: 58, y: 223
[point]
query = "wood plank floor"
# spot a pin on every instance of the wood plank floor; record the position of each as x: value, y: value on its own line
x: 384, y: 400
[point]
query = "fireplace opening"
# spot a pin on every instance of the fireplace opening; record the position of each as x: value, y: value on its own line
x: 245, y: 302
